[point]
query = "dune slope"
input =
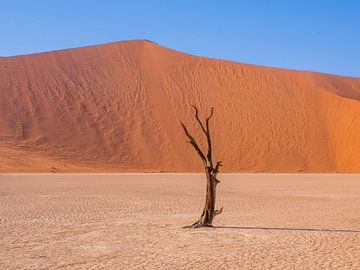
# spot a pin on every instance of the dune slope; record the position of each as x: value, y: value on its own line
x: 117, y: 107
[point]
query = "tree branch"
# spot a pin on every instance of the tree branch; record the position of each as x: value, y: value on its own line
x: 218, y: 212
x: 217, y: 167
x: 194, y: 144
x: 207, y: 132
x: 211, y: 114
x: 197, y: 118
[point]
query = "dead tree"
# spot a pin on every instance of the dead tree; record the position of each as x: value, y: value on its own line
x: 211, y: 172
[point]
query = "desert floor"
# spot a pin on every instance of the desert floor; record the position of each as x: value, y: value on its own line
x: 133, y: 221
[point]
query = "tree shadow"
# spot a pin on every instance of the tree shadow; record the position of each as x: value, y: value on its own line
x: 285, y: 229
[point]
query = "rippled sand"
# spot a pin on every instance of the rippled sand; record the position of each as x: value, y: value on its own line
x: 133, y: 221
x: 118, y: 106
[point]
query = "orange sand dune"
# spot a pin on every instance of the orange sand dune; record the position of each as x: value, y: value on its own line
x: 117, y: 107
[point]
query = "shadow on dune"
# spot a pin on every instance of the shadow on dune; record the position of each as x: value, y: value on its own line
x: 286, y: 229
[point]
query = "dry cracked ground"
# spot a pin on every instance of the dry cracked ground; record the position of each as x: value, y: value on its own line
x: 133, y: 221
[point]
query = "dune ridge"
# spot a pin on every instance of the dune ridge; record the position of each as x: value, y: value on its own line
x: 117, y: 107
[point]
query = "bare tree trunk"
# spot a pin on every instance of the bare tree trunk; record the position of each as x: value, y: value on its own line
x: 211, y: 172
x: 207, y: 215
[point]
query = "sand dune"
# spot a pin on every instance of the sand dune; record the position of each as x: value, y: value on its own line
x: 116, y: 107
x: 123, y: 221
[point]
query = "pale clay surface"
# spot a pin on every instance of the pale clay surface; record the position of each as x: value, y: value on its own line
x: 133, y: 221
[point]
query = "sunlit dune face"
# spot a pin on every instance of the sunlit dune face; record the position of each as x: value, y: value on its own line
x: 117, y: 107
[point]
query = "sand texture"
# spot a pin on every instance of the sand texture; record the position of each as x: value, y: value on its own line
x: 125, y: 221
x: 117, y: 107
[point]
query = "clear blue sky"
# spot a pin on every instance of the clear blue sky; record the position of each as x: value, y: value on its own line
x: 319, y: 35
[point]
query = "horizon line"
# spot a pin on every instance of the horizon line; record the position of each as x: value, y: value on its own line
x: 156, y: 43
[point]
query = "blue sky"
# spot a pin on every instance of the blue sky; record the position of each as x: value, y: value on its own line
x: 319, y: 35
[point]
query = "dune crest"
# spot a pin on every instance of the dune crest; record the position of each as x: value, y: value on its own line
x: 117, y: 107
